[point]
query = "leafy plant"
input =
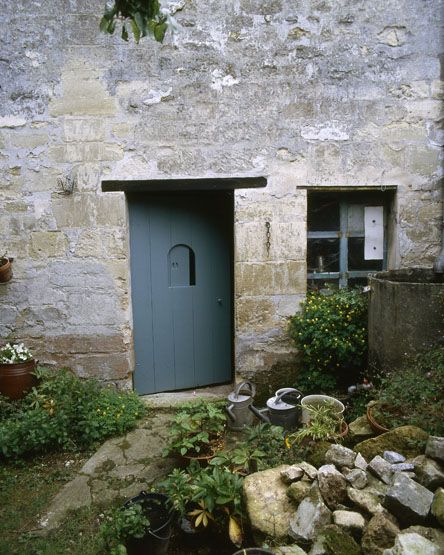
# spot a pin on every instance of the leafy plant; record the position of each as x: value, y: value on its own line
x: 13, y: 353
x: 121, y: 524
x: 325, y: 423
x: 413, y: 394
x: 194, y: 428
x: 331, y: 334
x: 145, y: 17
x: 64, y: 411
x: 207, y: 495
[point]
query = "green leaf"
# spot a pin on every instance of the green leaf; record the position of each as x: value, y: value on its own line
x: 141, y: 23
x: 159, y: 31
x: 124, y: 33
x: 136, y: 31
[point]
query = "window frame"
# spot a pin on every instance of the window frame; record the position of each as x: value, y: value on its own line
x: 346, y: 199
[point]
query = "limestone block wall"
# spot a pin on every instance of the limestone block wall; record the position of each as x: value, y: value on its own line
x: 309, y: 93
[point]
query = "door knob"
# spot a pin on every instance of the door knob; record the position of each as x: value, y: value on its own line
x: 219, y: 301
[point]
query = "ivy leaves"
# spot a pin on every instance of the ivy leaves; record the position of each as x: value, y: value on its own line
x: 143, y: 16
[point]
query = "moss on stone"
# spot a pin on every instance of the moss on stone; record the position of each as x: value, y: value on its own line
x: 316, y: 452
x: 338, y: 542
x: 408, y: 440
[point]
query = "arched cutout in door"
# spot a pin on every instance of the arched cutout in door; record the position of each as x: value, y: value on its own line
x: 181, y: 266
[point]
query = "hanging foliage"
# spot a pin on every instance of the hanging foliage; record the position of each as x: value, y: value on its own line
x: 143, y: 16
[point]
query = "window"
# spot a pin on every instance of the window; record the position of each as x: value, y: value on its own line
x: 347, y: 236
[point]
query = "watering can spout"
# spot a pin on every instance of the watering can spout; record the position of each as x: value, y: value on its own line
x: 260, y: 414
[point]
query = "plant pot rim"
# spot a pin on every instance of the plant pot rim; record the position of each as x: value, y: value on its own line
x: 19, y: 364
x: 373, y: 423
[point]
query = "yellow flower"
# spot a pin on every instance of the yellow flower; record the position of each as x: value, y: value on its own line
x: 287, y: 443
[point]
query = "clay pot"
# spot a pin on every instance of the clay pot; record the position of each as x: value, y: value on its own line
x: 5, y: 270
x: 16, y: 379
x: 374, y: 425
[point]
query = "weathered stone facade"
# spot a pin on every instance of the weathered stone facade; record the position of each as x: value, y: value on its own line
x: 309, y: 93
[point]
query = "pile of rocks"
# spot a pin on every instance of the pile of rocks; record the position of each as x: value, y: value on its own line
x: 388, y: 505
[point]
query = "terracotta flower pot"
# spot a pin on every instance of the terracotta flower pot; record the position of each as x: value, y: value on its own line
x: 5, y: 270
x: 16, y: 379
x: 374, y: 425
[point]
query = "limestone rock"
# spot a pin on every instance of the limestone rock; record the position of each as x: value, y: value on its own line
x: 393, y: 457
x: 405, y: 440
x: 413, y: 544
x: 366, y: 500
x: 351, y: 521
x: 379, y: 535
x: 357, y: 478
x: 403, y: 467
x: 332, y: 485
x: 268, y: 507
x: 333, y: 540
x: 429, y: 472
x: 432, y: 534
x: 408, y: 500
x: 289, y: 550
x: 340, y: 456
x: 360, y: 429
x: 435, y: 448
x: 311, y: 515
x: 292, y: 474
x: 438, y: 506
x: 309, y: 470
x: 360, y: 462
x: 298, y: 490
x: 381, y: 468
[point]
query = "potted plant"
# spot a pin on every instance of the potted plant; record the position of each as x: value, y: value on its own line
x: 197, y: 431
x: 142, y: 525
x: 5, y: 268
x: 324, y: 423
x: 411, y: 395
x: 16, y: 370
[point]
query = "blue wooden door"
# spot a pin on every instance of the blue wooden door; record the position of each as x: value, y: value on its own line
x: 180, y: 250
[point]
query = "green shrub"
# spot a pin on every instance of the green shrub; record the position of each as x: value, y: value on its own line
x: 331, y: 335
x: 413, y: 394
x: 64, y: 411
x: 194, y: 428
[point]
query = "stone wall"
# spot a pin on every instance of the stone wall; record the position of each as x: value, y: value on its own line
x: 316, y: 92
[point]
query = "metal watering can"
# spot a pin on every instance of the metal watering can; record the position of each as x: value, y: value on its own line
x: 283, y: 409
x: 240, y: 408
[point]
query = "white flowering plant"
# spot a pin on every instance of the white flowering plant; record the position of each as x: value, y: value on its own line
x: 13, y: 353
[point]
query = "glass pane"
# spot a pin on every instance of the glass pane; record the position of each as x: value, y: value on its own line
x: 323, y: 213
x: 356, y: 256
x: 355, y: 217
x: 357, y: 282
x: 323, y: 255
x: 318, y: 284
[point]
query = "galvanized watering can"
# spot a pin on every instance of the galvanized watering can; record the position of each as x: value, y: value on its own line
x: 240, y: 406
x: 283, y: 409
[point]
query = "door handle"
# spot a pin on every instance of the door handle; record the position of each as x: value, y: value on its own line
x: 219, y: 301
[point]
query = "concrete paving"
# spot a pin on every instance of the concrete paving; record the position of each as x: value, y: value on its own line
x: 124, y: 466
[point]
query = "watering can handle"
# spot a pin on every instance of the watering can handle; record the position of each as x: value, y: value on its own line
x: 245, y: 385
x: 229, y: 411
x: 281, y: 392
x: 260, y: 413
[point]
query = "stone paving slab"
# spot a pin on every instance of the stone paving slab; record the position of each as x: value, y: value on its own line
x: 121, y: 468
x: 126, y: 465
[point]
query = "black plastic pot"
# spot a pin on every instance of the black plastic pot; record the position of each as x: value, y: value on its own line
x: 157, y: 508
